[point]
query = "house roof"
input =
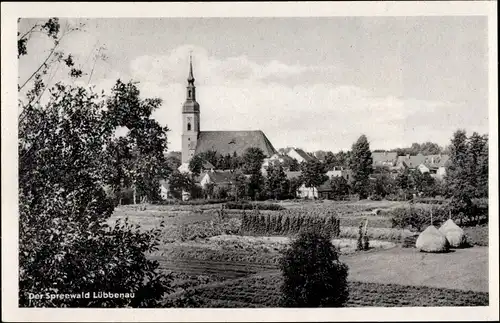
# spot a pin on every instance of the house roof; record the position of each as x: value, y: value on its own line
x: 230, y: 142
x: 303, y: 154
x: 208, y: 165
x: 220, y: 176
x: 411, y: 161
x: 384, y: 157
x: 430, y: 161
x: 436, y: 161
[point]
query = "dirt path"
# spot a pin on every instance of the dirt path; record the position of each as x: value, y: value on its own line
x: 465, y: 269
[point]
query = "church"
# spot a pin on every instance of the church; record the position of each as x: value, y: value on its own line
x: 195, y: 141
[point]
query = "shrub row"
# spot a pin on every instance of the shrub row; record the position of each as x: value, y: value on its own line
x: 244, y: 205
x: 419, y: 217
x: 289, y: 222
x: 192, y: 202
x: 431, y: 200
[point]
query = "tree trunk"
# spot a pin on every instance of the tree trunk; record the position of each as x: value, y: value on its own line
x: 135, y: 196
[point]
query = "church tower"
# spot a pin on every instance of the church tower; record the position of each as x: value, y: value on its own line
x: 190, y: 119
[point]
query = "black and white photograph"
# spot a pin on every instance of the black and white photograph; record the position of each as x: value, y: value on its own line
x: 188, y: 158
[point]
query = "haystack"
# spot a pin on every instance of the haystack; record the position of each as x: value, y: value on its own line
x: 431, y: 240
x: 455, y: 235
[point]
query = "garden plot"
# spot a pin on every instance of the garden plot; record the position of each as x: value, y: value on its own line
x: 263, y: 290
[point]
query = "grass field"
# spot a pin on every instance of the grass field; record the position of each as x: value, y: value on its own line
x: 230, y: 270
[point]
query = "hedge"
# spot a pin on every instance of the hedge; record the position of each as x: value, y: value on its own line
x: 243, y: 205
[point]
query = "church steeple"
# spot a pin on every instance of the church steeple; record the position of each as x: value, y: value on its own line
x: 191, y: 105
x: 191, y: 118
x: 191, y: 77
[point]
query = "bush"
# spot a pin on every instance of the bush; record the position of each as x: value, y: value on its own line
x: 417, y: 218
x: 313, y: 276
x: 243, y: 205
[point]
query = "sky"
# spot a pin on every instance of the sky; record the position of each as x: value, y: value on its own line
x: 314, y: 83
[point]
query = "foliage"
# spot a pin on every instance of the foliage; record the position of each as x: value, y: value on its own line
x: 181, y: 182
x: 426, y: 148
x: 244, y: 205
x: 252, y: 160
x: 313, y: 276
x: 138, y: 159
x: 340, y: 159
x: 221, y: 192
x: 418, y: 218
x: 65, y: 244
x: 239, y: 185
x: 359, y: 241
x: 313, y: 173
x: 340, y: 188
x: 467, y: 176
x: 382, y: 185
x: 51, y: 28
x: 361, y: 165
x: 294, y: 185
x: 255, y: 186
x: 196, y: 165
x: 173, y: 162
x: 277, y: 184
x: 291, y: 164
x: 193, y: 202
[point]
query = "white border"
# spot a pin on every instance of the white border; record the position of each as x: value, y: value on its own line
x: 10, y: 12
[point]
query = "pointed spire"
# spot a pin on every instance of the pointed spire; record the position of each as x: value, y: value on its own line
x: 190, y: 77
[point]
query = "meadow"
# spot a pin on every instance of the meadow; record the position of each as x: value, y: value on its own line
x: 221, y: 265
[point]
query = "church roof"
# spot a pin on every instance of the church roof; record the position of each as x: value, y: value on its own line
x: 229, y: 142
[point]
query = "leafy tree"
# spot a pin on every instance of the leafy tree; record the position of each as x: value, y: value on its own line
x: 65, y: 241
x: 340, y: 187
x: 239, y: 185
x: 313, y: 174
x: 361, y: 165
x: 382, y: 185
x: 196, y: 164
x: 143, y: 151
x: 252, y: 160
x: 294, y: 185
x: 331, y: 161
x: 255, y: 186
x: 477, y: 155
x: 208, y: 190
x: 180, y: 182
x: 458, y: 175
x: 343, y: 158
x: 430, y: 148
x: 291, y: 164
x: 277, y: 183
x: 172, y: 162
x: 313, y: 276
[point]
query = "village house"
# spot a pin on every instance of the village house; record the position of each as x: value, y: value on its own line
x: 384, y: 159
x: 435, y: 165
x: 339, y: 171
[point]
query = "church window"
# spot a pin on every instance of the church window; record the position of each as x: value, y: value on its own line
x: 189, y: 127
